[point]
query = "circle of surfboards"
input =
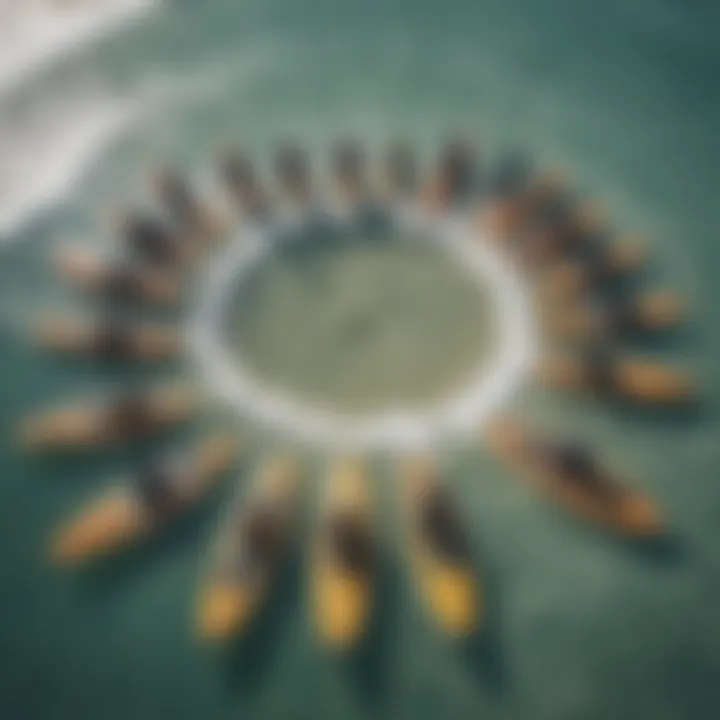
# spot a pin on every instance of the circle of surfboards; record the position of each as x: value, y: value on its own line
x: 558, y: 242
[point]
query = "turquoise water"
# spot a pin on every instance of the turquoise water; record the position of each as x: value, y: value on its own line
x: 578, y: 626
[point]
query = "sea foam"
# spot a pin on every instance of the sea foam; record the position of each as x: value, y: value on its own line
x: 48, y: 148
x: 35, y: 34
x: 51, y: 142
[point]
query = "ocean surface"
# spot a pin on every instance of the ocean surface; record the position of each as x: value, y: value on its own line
x: 622, y: 93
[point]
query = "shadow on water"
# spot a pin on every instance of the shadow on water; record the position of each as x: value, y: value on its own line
x: 483, y: 652
x: 369, y: 667
x: 248, y: 658
x: 667, y: 549
x: 692, y: 412
x: 93, y: 464
x: 667, y: 339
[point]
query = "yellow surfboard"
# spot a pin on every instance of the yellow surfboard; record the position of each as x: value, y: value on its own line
x: 343, y: 566
x: 621, y: 509
x: 248, y: 551
x: 121, y: 517
x: 439, y: 552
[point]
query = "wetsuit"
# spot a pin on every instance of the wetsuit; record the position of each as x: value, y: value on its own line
x: 257, y: 207
x: 352, y: 542
x: 560, y: 211
x: 508, y: 177
x: 547, y: 220
x: 112, y: 339
x: 402, y: 169
x: 599, y: 368
x: 151, y: 240
x: 156, y: 486
x: 262, y: 533
x: 259, y: 538
x: 621, y: 318
x: 441, y: 526
x: 555, y: 217
x: 545, y: 238
x: 573, y: 459
x: 575, y: 464
x: 238, y: 173
x: 592, y: 255
x: 348, y: 161
x: 239, y: 176
x: 124, y: 283
x: 181, y: 202
x: 458, y: 172
x: 131, y: 414
x: 291, y: 168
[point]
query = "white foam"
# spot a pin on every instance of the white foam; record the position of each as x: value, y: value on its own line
x: 458, y: 416
x: 49, y: 144
x: 48, y: 148
x: 36, y: 33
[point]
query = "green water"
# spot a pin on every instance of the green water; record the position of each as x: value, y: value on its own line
x: 578, y: 627
x: 363, y: 324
